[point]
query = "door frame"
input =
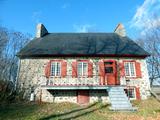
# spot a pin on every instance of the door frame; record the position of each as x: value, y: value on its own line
x: 114, y: 71
x: 85, y: 96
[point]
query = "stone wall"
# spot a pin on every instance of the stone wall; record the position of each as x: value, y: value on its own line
x: 71, y: 96
x: 32, y: 76
x: 98, y: 96
x: 142, y: 83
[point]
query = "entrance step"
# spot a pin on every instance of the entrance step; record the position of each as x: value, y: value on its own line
x: 119, y: 100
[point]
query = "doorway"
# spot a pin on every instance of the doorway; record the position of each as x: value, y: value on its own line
x: 83, y: 96
x: 110, y: 72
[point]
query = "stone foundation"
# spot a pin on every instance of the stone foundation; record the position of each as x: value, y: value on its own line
x: 98, y: 96
x: 58, y: 96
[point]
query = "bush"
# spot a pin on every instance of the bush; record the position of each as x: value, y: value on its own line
x: 8, y: 93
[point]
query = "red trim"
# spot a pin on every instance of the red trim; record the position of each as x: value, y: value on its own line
x: 74, y: 69
x: 83, y: 55
x: 111, y: 78
x: 109, y: 60
x: 137, y: 91
x: 56, y: 60
x: 121, y: 69
x: 113, y: 65
x: 47, y: 69
x: 63, y: 68
x: 137, y: 69
x: 101, y: 72
x: 61, y: 85
x: 124, y: 68
x: 90, y: 69
x: 138, y: 97
x: 82, y: 60
x: 82, y: 96
x: 129, y: 61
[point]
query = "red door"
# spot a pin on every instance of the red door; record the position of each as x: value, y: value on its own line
x: 110, y: 72
x: 82, y: 96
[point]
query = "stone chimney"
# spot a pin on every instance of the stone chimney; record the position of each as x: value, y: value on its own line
x: 41, y: 30
x: 120, y: 30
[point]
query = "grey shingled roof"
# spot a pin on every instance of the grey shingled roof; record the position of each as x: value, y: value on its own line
x: 89, y: 44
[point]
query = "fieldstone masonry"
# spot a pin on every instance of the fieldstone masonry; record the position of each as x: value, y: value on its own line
x: 32, y: 76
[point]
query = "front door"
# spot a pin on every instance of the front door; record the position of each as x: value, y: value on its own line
x: 82, y: 96
x: 110, y: 72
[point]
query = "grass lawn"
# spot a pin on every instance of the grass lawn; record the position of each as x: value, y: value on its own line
x: 148, y: 110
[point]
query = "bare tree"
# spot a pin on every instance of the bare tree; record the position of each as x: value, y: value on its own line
x: 150, y: 41
x: 10, y: 43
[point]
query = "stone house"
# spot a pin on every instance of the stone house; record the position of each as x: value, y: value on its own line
x: 84, y: 68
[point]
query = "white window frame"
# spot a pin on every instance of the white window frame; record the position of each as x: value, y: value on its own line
x: 129, y: 69
x: 83, y: 73
x: 134, y: 92
x: 55, y: 71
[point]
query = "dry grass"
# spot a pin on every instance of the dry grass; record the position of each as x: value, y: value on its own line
x: 148, y: 110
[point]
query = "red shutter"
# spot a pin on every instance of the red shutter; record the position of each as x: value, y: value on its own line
x: 74, y: 69
x: 138, y: 97
x: 101, y: 73
x: 101, y: 69
x: 63, y: 68
x: 90, y: 69
x: 138, y: 70
x: 121, y: 69
x: 47, y: 69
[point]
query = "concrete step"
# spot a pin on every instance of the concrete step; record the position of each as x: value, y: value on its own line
x: 120, y: 102
x: 123, y: 109
x: 116, y: 92
x: 119, y: 99
x: 121, y: 105
x: 121, y: 95
x: 112, y: 90
x: 117, y: 96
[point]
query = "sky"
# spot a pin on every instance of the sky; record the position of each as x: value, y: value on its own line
x: 78, y: 15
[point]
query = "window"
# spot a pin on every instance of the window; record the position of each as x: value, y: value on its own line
x: 131, y: 93
x: 108, y: 63
x: 82, y: 68
x: 55, y: 69
x: 108, y: 69
x: 130, y: 69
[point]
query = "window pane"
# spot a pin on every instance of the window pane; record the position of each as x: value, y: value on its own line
x: 85, y: 69
x: 55, y: 69
x: 58, y: 69
x: 126, y: 66
x: 80, y: 68
x: 108, y: 63
x: 132, y: 69
x: 108, y: 69
x: 131, y: 93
